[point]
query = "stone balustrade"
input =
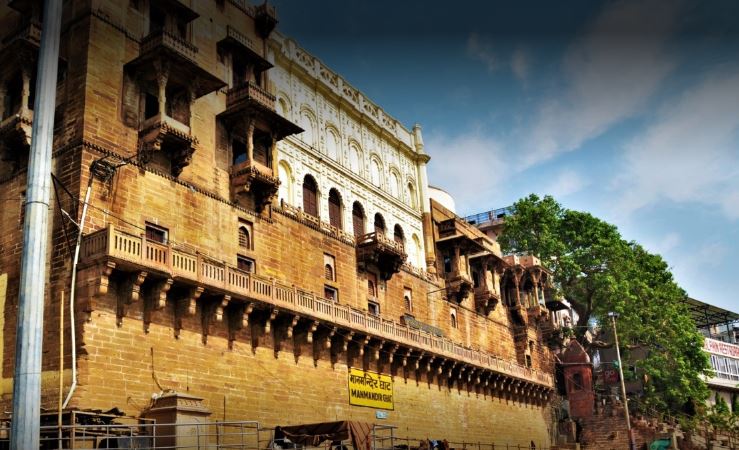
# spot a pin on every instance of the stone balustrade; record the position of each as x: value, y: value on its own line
x: 198, y: 269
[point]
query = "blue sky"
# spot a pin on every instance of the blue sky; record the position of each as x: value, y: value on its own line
x: 626, y: 109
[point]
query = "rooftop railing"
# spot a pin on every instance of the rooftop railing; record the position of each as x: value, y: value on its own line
x: 490, y: 217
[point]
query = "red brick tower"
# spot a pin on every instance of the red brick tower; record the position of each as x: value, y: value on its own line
x: 578, y: 373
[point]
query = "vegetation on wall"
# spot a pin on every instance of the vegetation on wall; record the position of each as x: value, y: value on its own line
x: 598, y: 271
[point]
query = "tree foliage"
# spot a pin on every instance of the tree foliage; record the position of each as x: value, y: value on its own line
x: 598, y: 271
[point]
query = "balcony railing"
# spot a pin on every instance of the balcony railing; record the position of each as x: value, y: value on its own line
x: 179, y: 264
x: 165, y: 39
x: 490, y: 217
x: 249, y: 91
x: 381, y: 239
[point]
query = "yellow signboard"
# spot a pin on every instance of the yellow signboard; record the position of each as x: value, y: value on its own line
x: 370, y: 389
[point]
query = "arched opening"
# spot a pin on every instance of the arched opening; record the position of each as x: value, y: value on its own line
x: 398, y: 235
x: 417, y: 258
x: 412, y: 201
x: 358, y: 219
x: 334, y: 208
x: 328, y: 272
x: 379, y: 224
x: 453, y: 318
x: 394, y: 184
x: 285, y: 192
x: 310, y: 196
x: 244, y: 238
x: 375, y: 172
x: 332, y: 144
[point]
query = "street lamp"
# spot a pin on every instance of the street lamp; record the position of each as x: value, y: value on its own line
x: 632, y: 445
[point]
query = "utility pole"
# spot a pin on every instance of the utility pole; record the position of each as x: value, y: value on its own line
x: 632, y: 445
x: 25, y: 427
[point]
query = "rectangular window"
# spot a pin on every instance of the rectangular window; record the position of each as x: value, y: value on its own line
x: 245, y: 264
x: 156, y: 233
x: 330, y: 293
x: 373, y: 308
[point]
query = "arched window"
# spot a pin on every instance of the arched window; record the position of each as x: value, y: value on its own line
x: 375, y: 172
x: 332, y: 144
x: 307, y: 124
x: 244, y: 238
x: 357, y: 219
x: 334, y: 208
x: 417, y: 257
x: 453, y: 318
x: 310, y: 196
x: 286, y: 182
x: 407, y: 303
x: 379, y: 224
x: 398, y: 235
x: 371, y: 285
x: 394, y: 184
x: 355, y: 158
x: 412, y: 196
x: 328, y: 272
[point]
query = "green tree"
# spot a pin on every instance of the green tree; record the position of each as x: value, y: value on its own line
x: 597, y: 271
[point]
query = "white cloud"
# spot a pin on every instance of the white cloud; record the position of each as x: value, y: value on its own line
x: 665, y: 245
x: 611, y: 71
x: 482, y: 50
x: 566, y: 183
x: 469, y: 166
x: 691, y: 151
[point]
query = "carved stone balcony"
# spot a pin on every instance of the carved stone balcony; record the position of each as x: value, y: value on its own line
x: 537, y: 312
x: 486, y: 300
x: 385, y: 254
x: 458, y: 286
x: 15, y: 140
x: 238, y: 43
x: 168, y: 141
x: 250, y: 100
x: 28, y: 37
x: 136, y: 259
x: 164, y: 52
x: 249, y: 92
x: 251, y: 177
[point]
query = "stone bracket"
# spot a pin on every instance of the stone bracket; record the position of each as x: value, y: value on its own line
x: 213, y: 312
x: 238, y: 319
x: 186, y: 306
x: 128, y: 293
x: 155, y: 299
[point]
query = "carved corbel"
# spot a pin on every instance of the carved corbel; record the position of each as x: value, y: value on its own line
x: 391, y: 353
x: 268, y: 323
x: 291, y: 326
x: 97, y: 284
x: 155, y: 300
x: 376, y: 350
x: 186, y: 305
x: 238, y: 320
x: 362, y: 344
x: 321, y: 342
x: 311, y: 329
x: 129, y: 293
x: 213, y: 313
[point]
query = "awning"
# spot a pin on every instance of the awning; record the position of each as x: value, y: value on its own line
x: 314, y: 434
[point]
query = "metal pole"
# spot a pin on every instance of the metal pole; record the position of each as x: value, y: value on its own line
x: 623, y: 385
x: 25, y: 432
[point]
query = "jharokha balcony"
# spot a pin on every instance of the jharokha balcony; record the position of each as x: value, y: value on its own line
x: 238, y: 298
x: 375, y: 249
x: 249, y: 92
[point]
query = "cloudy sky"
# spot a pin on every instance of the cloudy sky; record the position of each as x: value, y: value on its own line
x: 626, y: 109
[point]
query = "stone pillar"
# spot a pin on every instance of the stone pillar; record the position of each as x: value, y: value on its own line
x: 162, y: 77
x: 25, y: 91
x: 250, y: 142
x: 578, y: 374
x: 181, y: 421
